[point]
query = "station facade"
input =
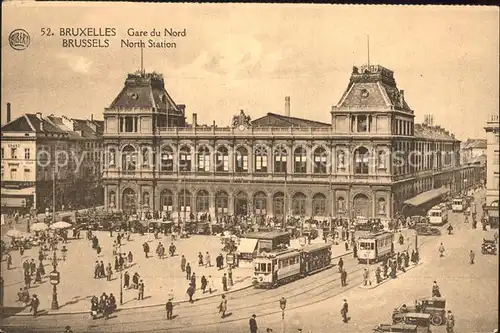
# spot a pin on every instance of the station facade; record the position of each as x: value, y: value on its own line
x: 370, y: 160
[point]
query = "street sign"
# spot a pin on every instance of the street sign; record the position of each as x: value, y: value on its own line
x: 54, y: 278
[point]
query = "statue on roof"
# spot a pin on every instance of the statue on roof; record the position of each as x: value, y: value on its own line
x: 241, y: 120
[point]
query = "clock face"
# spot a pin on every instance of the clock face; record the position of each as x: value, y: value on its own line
x: 241, y: 127
x: 364, y: 93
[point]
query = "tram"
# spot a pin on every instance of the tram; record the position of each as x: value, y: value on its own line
x: 438, y: 215
x: 375, y: 247
x: 280, y: 267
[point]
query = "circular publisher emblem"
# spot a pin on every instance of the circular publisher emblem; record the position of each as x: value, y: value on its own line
x: 19, y: 39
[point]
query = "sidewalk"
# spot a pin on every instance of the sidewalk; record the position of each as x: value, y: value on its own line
x: 373, y: 282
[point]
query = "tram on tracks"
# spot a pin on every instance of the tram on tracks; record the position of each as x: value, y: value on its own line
x: 280, y: 267
x: 375, y: 247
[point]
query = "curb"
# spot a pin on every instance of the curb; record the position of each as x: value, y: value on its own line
x: 389, y: 279
x: 51, y: 313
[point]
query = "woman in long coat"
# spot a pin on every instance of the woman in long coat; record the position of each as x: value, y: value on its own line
x: 223, y: 306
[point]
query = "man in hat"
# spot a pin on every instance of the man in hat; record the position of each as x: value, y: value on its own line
x: 435, y: 290
x: 253, y: 324
x: 450, y: 322
x: 170, y: 308
x: 472, y: 255
x: 35, y: 303
x: 344, y: 311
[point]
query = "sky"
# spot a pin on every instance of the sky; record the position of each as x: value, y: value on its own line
x: 250, y: 56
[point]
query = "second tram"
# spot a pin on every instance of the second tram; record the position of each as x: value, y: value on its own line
x: 375, y: 247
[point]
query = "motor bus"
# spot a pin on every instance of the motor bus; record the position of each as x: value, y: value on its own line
x: 458, y: 204
x: 438, y: 215
x: 375, y: 247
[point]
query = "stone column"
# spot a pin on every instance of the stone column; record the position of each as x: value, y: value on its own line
x: 269, y: 206
x: 211, y: 205
x: 106, y: 203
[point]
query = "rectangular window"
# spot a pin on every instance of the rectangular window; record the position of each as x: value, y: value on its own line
x: 496, y: 158
x: 26, y: 153
x: 13, y: 174
x: 27, y: 175
x: 13, y: 153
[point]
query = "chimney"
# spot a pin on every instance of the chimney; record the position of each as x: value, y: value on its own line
x: 39, y: 115
x: 8, y: 113
x: 402, y: 97
x: 287, y: 106
x: 91, y: 117
x: 195, y: 120
x: 213, y: 124
x: 41, y: 125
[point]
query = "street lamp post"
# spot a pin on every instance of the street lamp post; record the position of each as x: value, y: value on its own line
x: 54, y: 278
x: 54, y: 195
x: 121, y: 275
x: 283, y: 306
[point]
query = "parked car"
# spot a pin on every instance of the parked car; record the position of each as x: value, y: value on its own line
x: 489, y: 246
x: 435, y: 306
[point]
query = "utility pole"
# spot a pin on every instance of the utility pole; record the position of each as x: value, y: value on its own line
x: 54, y: 195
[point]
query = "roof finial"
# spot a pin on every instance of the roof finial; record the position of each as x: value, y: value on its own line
x: 368, y: 42
x: 142, y: 61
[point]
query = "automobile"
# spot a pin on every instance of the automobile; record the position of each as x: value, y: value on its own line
x: 435, y: 306
x: 489, y: 246
x: 424, y: 229
x: 403, y: 328
x: 421, y: 320
x: 415, y: 220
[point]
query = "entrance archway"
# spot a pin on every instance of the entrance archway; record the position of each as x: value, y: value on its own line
x: 241, y: 203
x: 361, y: 206
x: 129, y: 201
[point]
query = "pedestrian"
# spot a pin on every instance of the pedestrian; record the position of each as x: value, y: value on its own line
x: 354, y: 251
x: 67, y: 329
x: 145, y: 248
x: 207, y: 260
x: 102, y: 270
x: 346, y: 245
x: 193, y: 280
x: 343, y: 278
x: 96, y: 270
x: 21, y: 250
x: 126, y: 280
x: 117, y: 264
x: 140, y: 295
x: 172, y: 249
x: 341, y: 264
x: 32, y: 267
x: 223, y: 306
x: 170, y: 308
x: 135, y: 280
x: 27, y: 281
x: 450, y: 322
x: 35, y: 303
x: 472, y: 256
x: 38, y: 276
x: 183, y: 263
x: 435, y: 290
x: 495, y: 235
x: 190, y: 291
x: 204, y: 283
x: 109, y: 272
x: 9, y: 261
x: 188, y: 271
x: 224, y: 282
x: 211, y: 286
x: 344, y: 311
x: 200, y: 259
x: 230, y: 275
x: 441, y: 250
x: 365, y: 277
x: 121, y: 261
x: 450, y: 229
x: 253, y: 324
x: 130, y: 257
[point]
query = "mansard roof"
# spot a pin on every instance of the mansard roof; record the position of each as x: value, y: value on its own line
x: 433, y: 132
x: 146, y: 91
x: 373, y: 88
x: 277, y: 120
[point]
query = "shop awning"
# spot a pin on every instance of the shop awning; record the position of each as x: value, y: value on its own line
x: 425, y: 197
x: 247, y: 245
x: 21, y: 192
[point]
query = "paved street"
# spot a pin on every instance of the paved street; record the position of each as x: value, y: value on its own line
x: 466, y: 288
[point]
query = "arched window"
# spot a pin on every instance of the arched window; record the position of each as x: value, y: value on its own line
x: 361, y: 161
x: 167, y: 200
x: 320, y: 160
x: 222, y: 159
x: 241, y: 160
x: 129, y: 201
x: 280, y: 159
x: 185, y: 159
x: 167, y: 159
x: 260, y: 159
x: 279, y: 203
x: 300, y: 160
x: 221, y: 202
x: 203, y: 159
x: 112, y: 158
x: 299, y: 204
x: 184, y: 201
x: 202, y: 201
x: 260, y: 203
x: 319, y: 204
x: 129, y: 158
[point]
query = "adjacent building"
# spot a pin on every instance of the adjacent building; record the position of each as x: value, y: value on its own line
x: 493, y: 169
x: 35, y: 147
x: 370, y: 160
